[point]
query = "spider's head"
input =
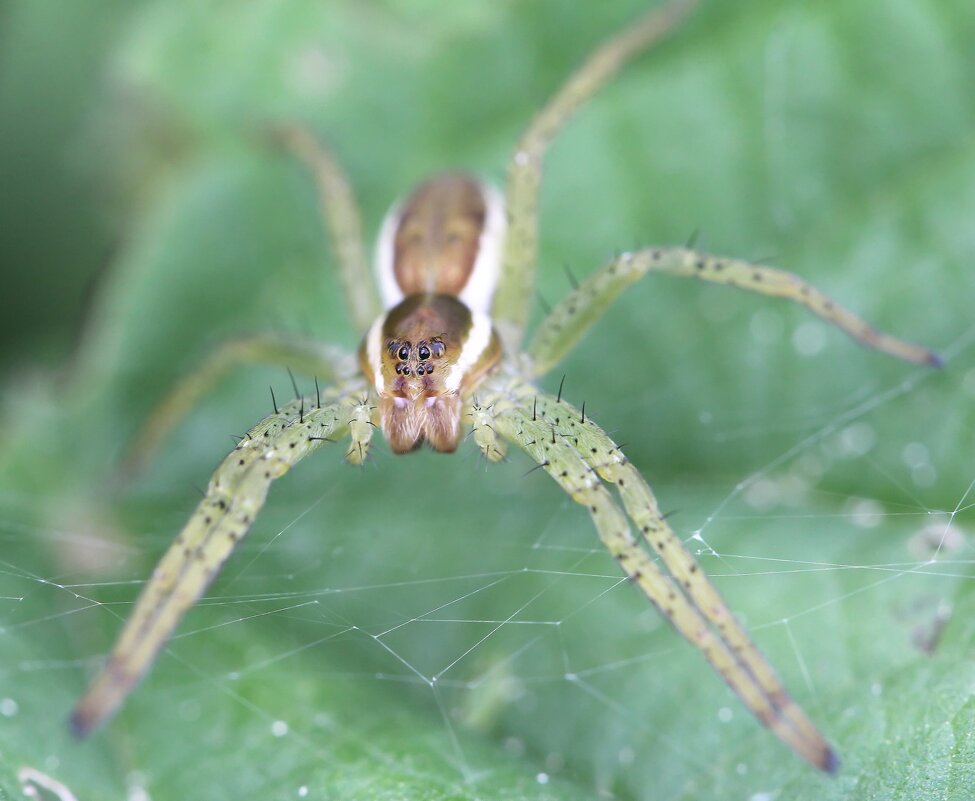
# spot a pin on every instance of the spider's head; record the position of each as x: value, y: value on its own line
x: 425, y: 356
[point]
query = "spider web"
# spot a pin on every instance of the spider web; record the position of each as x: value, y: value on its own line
x: 424, y: 614
x: 439, y: 628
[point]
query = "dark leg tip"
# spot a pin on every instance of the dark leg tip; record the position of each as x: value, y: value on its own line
x: 831, y: 762
x: 80, y: 724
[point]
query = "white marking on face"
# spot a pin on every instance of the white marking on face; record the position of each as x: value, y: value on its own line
x: 478, y: 340
x: 374, y: 351
x: 388, y: 286
x: 481, y: 283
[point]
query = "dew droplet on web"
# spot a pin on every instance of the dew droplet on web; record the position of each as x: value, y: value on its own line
x: 865, y: 512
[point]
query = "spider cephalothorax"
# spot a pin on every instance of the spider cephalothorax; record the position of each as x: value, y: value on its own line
x: 441, y: 254
x: 424, y: 356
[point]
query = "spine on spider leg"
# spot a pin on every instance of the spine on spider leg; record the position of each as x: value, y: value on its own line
x: 557, y: 439
x: 235, y: 494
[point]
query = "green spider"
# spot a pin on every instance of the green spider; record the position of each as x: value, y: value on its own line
x: 456, y: 263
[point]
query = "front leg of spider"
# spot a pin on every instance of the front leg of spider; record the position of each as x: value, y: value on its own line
x: 579, y: 455
x: 234, y: 497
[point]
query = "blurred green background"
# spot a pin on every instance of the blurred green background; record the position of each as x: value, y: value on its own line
x: 827, y: 488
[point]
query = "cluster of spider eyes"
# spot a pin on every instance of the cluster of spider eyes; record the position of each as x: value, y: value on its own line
x: 403, y: 349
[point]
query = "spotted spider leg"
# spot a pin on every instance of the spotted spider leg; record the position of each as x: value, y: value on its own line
x: 513, y: 298
x: 235, y: 495
x: 340, y: 212
x: 343, y: 223
x: 580, y: 456
x: 302, y: 354
x: 572, y: 317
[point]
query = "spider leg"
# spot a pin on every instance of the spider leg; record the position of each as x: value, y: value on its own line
x: 569, y: 320
x: 516, y: 284
x: 234, y: 496
x: 342, y: 221
x: 299, y: 353
x: 577, y: 454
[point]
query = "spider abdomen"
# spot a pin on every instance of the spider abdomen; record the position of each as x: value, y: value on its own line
x: 444, y: 238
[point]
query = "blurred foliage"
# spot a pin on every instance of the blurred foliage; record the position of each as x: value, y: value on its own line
x: 836, y: 139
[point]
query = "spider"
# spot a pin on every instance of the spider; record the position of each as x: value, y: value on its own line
x: 443, y: 354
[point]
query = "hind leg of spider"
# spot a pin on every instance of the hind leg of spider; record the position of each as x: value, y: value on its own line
x: 565, y: 449
x: 342, y: 219
x: 569, y: 320
x: 516, y: 284
x: 234, y: 497
x: 305, y: 355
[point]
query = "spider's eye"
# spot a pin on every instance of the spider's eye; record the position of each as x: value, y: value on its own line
x: 423, y: 352
x: 399, y: 368
x: 437, y: 348
x: 404, y: 353
x: 406, y: 370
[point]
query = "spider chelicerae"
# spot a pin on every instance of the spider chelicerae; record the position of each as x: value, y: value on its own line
x: 455, y: 264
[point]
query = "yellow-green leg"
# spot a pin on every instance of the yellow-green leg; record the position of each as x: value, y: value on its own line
x: 301, y: 354
x: 565, y: 325
x: 578, y: 454
x: 512, y: 301
x: 233, y: 498
x: 342, y: 221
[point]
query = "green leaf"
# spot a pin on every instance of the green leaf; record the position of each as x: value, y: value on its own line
x: 432, y: 628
